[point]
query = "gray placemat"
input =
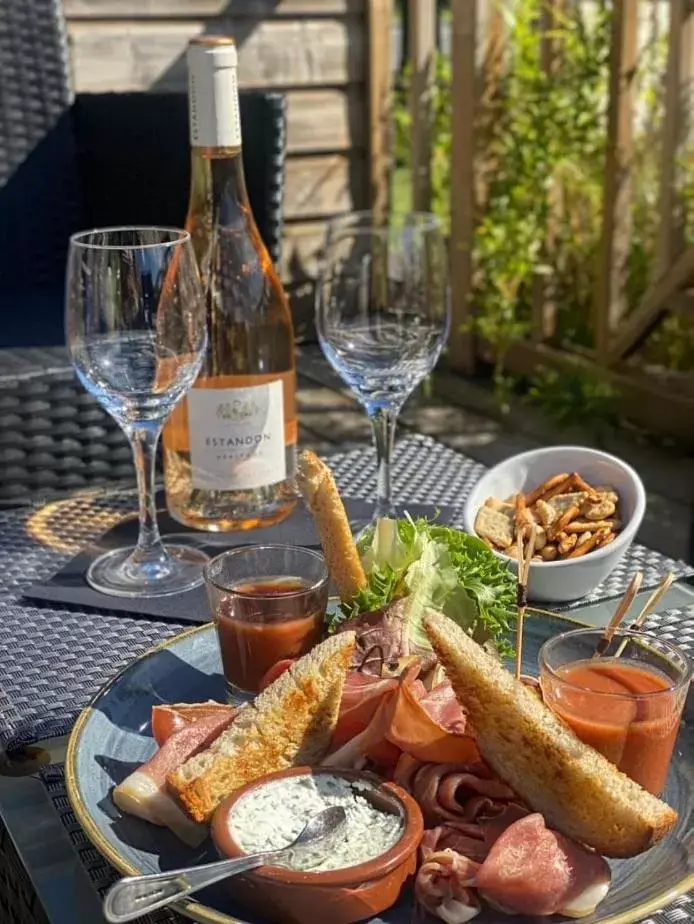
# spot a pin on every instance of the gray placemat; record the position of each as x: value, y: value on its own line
x: 675, y: 625
x: 53, y: 660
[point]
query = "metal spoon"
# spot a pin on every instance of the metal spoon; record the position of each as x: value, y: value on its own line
x: 137, y: 895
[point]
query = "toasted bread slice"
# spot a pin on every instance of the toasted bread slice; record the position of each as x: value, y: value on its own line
x: 579, y: 792
x: 289, y: 724
x: 317, y: 485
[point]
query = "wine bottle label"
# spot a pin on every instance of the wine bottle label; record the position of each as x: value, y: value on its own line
x: 213, y: 96
x: 237, y: 437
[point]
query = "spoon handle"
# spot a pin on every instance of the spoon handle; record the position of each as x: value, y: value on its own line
x: 135, y: 896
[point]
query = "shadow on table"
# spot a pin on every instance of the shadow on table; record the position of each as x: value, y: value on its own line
x: 123, y: 742
x: 159, y: 678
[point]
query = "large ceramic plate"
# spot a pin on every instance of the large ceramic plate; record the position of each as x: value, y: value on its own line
x: 113, y: 736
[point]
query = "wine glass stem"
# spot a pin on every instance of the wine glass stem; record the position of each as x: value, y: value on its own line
x: 384, y: 421
x: 143, y: 439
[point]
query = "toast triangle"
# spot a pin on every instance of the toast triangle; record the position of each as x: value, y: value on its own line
x: 579, y: 792
x: 289, y: 724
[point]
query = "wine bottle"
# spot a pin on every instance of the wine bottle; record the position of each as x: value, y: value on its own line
x: 230, y: 446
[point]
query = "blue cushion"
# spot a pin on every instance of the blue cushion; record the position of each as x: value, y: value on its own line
x: 39, y: 209
x: 32, y: 318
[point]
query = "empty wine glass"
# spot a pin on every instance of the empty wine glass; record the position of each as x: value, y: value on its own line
x: 383, y: 316
x: 136, y: 329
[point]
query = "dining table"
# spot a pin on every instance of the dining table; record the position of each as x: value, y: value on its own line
x: 55, y: 657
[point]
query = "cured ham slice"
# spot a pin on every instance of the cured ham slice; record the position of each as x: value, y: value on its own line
x: 363, y: 693
x: 590, y: 879
x: 369, y: 743
x: 167, y: 720
x: 453, y: 792
x: 402, y: 721
x: 361, y: 696
x: 444, y: 708
x: 442, y: 887
x: 420, y: 735
x: 405, y: 770
x: 535, y: 871
x: 493, y: 825
x: 144, y: 792
x: 460, y: 836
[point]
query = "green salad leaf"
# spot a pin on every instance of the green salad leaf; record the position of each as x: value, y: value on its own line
x: 436, y: 567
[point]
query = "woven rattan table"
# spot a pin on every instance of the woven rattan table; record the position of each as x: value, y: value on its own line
x: 52, y: 660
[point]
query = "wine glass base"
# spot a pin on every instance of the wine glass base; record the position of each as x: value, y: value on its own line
x: 360, y: 525
x: 113, y: 574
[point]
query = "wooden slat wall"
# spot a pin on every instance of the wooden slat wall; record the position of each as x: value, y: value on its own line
x: 314, y: 51
x: 189, y: 9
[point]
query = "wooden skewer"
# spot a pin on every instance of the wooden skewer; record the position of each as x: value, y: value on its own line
x: 648, y: 608
x: 522, y: 598
x: 619, y: 615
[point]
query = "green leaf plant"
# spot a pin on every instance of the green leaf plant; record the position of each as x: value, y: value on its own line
x: 540, y: 163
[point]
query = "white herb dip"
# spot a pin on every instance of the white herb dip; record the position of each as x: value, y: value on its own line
x: 270, y: 817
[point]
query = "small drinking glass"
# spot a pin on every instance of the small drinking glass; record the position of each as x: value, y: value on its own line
x: 268, y: 602
x: 383, y: 317
x: 136, y: 330
x: 627, y: 704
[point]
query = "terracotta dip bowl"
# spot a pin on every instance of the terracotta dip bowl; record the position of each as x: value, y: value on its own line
x: 339, y: 896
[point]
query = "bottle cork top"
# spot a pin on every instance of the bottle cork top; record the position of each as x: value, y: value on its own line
x: 213, y: 92
x: 213, y: 40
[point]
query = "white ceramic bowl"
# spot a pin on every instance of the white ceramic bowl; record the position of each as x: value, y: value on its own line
x: 561, y: 581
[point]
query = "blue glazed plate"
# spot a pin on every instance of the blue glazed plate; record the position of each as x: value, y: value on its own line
x: 113, y: 736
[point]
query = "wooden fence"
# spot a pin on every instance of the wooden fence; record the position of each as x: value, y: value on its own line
x: 616, y: 333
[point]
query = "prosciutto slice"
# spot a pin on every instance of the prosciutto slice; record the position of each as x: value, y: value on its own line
x: 493, y: 824
x: 361, y: 696
x: 402, y: 723
x: 453, y: 792
x: 458, y: 789
x: 442, y: 887
x: 144, y: 792
x: 462, y: 837
x: 417, y: 733
x: 444, y: 708
x: 528, y: 869
x: 167, y: 720
x: 535, y: 871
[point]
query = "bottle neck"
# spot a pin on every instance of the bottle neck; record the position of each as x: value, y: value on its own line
x: 220, y: 172
x: 220, y: 218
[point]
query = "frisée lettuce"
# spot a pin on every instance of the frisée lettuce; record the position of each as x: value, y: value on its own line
x: 435, y: 567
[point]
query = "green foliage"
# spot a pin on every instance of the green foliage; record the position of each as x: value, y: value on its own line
x: 544, y: 149
x: 577, y: 398
x: 671, y: 345
x: 541, y: 139
x: 435, y: 567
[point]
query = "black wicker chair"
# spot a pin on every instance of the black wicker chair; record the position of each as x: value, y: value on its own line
x: 65, y: 165
x: 114, y: 159
x: 121, y: 159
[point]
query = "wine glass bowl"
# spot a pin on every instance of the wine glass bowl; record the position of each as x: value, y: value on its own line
x: 383, y: 315
x: 136, y: 330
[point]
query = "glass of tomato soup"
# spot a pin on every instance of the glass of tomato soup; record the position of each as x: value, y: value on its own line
x: 268, y: 602
x: 628, y: 706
